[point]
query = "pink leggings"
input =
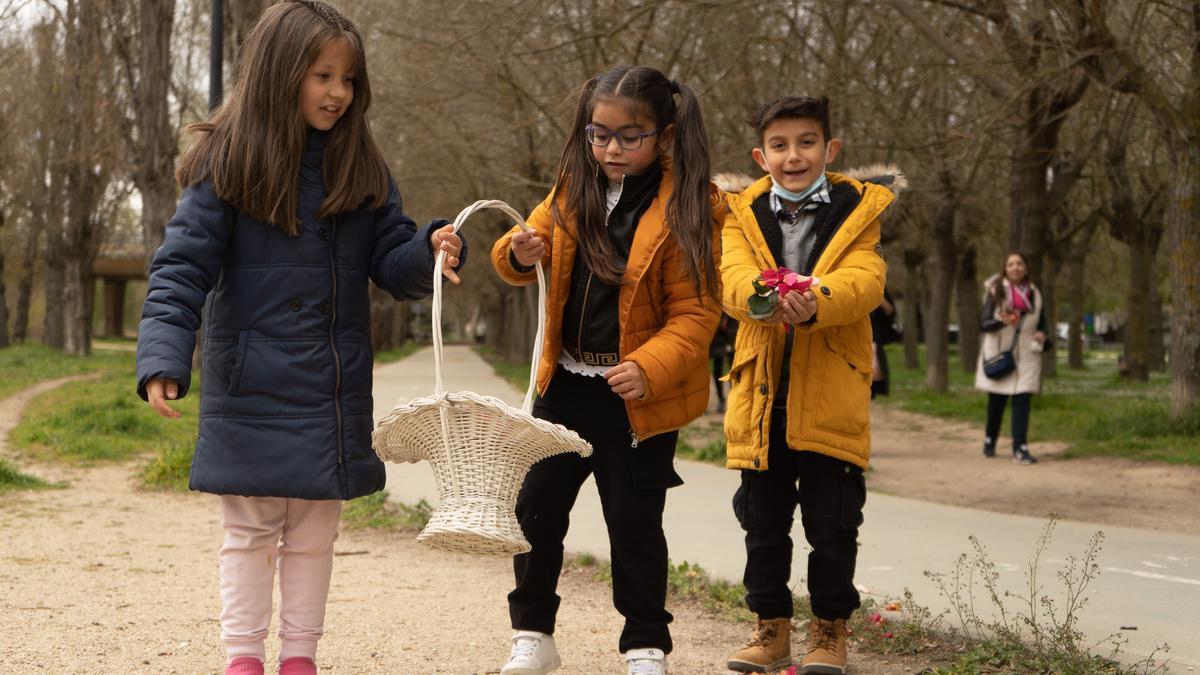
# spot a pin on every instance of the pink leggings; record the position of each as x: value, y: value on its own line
x: 261, y: 533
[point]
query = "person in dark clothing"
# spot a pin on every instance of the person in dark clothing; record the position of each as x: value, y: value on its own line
x: 719, y: 352
x: 287, y: 211
x: 883, y: 331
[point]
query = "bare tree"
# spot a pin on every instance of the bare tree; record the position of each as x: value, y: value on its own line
x: 1035, y: 86
x: 142, y: 42
x: 1147, y: 64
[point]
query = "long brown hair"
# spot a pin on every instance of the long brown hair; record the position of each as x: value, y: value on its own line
x: 689, y: 212
x: 998, y: 287
x: 250, y: 146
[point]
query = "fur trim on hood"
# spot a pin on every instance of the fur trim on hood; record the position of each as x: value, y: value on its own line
x: 732, y: 181
x: 886, y: 175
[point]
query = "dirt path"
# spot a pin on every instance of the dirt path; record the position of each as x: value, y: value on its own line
x: 101, y: 577
x: 941, y: 461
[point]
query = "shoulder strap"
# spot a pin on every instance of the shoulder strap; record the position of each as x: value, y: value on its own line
x: 1016, y: 333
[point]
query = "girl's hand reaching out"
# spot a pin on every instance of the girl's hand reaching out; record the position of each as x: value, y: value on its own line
x: 528, y: 248
x: 444, y: 239
x: 158, y: 390
x: 626, y: 380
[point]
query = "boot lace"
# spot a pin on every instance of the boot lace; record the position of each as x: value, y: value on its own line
x: 764, y: 634
x: 823, y: 636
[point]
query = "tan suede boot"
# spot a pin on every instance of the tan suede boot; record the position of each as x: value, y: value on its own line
x: 826, y: 648
x: 769, y: 649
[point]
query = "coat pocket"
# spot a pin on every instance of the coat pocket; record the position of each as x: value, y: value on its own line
x: 239, y: 359
x: 844, y: 407
x: 749, y: 397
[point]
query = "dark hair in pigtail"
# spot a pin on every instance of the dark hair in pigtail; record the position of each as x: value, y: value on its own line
x: 578, y: 175
x: 689, y: 213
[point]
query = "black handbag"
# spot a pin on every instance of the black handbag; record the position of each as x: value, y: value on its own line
x: 1000, y: 365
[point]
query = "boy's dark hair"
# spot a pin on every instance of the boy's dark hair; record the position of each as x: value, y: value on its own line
x: 792, y: 107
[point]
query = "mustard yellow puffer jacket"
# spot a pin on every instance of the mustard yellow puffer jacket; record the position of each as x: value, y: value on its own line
x: 829, y: 391
x: 665, y: 327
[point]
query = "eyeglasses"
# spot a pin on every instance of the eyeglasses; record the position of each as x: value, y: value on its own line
x: 629, y: 139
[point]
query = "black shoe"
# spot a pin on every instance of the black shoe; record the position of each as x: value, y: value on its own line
x: 989, y: 447
x: 1021, y: 455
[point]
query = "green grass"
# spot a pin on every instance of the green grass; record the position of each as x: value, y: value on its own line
x: 712, y: 451
x: 374, y: 512
x: 1095, y: 411
x: 515, y: 372
x: 11, y: 479
x: 27, y: 364
x: 170, y: 467
x: 104, y: 420
x: 392, y: 355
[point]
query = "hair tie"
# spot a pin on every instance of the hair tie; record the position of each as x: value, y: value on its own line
x: 674, y: 85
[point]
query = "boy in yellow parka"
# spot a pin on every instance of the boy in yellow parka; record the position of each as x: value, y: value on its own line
x: 796, y: 422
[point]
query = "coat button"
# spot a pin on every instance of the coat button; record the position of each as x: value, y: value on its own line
x: 762, y: 389
x: 756, y: 462
x: 323, y: 234
x: 294, y: 304
x: 323, y: 308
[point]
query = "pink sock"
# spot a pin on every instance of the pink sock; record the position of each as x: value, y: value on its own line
x: 298, y: 665
x: 244, y: 665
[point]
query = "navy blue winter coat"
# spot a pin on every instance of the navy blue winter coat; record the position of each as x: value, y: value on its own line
x: 285, y: 408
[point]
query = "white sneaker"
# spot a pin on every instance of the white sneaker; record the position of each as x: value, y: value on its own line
x: 533, y: 653
x: 646, y: 662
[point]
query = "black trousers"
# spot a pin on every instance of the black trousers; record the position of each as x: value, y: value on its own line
x: 831, y: 494
x: 632, y: 482
x: 1020, y: 416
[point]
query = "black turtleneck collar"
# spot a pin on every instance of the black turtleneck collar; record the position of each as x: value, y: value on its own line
x: 635, y: 187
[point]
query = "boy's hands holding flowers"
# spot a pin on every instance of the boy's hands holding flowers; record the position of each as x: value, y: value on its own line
x: 782, y: 295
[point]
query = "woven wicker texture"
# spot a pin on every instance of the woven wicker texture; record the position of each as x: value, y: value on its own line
x: 480, y: 447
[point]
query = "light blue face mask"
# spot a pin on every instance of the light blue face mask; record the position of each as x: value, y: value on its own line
x: 784, y: 193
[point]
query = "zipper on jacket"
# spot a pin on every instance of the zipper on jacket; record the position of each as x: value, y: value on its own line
x: 337, y: 360
x: 582, y: 316
x: 633, y: 439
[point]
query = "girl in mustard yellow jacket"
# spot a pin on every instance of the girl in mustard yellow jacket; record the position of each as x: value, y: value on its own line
x: 796, y: 421
x: 631, y: 236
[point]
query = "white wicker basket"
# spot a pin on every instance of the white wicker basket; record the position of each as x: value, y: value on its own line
x: 480, y: 448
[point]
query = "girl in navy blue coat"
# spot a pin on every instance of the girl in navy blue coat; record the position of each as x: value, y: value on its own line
x: 288, y: 209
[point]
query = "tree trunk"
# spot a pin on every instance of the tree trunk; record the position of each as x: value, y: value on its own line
x: 3, y: 296
x: 909, y: 308
x: 940, y: 272
x: 968, y: 310
x: 1077, y: 295
x: 25, y: 283
x: 1183, y: 236
x: 1049, y: 288
x: 1137, y: 309
x: 54, y: 271
x: 1156, y: 354
x: 155, y: 146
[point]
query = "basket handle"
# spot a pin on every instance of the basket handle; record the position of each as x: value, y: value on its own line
x: 436, y: 312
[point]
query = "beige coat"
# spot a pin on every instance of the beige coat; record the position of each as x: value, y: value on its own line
x: 1027, y: 378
